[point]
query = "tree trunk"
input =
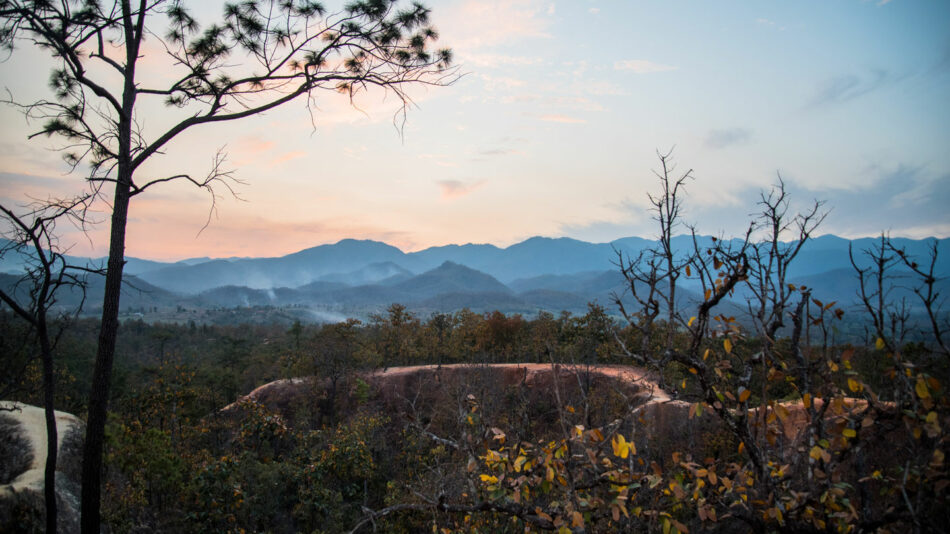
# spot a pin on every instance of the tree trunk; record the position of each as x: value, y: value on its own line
x: 52, y: 438
x: 109, y: 326
x: 102, y: 373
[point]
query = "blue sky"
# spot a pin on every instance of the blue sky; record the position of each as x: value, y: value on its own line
x: 553, y: 130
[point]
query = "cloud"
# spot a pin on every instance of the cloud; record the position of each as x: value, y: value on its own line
x: 847, y: 87
x: 626, y: 218
x: 600, y: 88
x: 452, y: 189
x: 442, y: 160
x: 904, y: 199
x: 501, y: 152
x: 478, y: 24
x: 562, y: 119
x: 718, y: 139
x: 501, y: 60
x: 283, y: 158
x: 641, y: 66
x: 495, y: 83
x: 764, y: 22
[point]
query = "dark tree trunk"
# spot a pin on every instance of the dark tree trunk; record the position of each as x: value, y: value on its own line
x: 52, y: 438
x: 102, y: 373
x: 109, y: 327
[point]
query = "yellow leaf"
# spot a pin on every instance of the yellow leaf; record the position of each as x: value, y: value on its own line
x: 519, y: 463
x: 489, y: 478
x: 806, y: 400
x: 693, y: 370
x: 705, y: 354
x: 741, y: 447
x: 879, y: 344
x: 854, y: 385
x: 707, y: 294
x: 620, y: 446
x: 691, y: 321
x: 849, y: 433
x: 726, y: 344
x: 570, y: 408
x: 921, y: 389
x: 815, y: 453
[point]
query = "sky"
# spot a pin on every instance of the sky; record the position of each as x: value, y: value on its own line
x: 554, y: 129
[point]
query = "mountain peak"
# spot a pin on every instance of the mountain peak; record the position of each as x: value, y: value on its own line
x: 451, y: 277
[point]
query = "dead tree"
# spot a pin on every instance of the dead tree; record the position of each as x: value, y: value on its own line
x: 33, y: 298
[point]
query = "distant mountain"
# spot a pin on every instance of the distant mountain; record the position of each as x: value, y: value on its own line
x: 475, y: 256
x: 362, y: 276
x: 450, y: 278
x: 386, y: 272
x: 136, y: 293
x: 292, y: 270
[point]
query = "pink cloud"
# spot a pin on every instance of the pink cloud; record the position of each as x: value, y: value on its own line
x: 452, y: 189
x: 287, y: 157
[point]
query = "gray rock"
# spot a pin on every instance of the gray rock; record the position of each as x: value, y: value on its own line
x: 22, y: 464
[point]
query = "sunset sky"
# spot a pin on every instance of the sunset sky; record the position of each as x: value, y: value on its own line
x: 554, y: 127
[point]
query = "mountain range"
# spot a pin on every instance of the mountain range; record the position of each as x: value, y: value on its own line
x: 358, y: 277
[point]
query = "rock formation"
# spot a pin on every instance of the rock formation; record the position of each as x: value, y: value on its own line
x: 22, y: 463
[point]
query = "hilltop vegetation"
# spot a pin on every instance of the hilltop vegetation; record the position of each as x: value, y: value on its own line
x: 323, y: 460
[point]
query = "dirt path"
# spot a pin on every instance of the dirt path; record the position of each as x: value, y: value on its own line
x: 32, y: 421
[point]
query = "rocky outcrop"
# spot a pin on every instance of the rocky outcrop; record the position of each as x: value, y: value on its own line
x: 22, y: 464
x: 658, y: 423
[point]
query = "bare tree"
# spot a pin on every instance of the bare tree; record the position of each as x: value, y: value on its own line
x: 32, y: 235
x: 262, y: 55
x: 652, y: 275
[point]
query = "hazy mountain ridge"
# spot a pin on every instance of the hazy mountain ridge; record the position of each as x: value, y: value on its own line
x: 363, y: 276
